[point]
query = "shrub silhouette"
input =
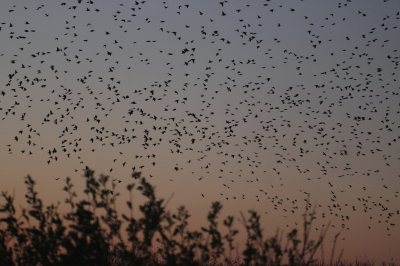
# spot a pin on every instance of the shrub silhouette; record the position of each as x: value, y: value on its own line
x: 85, y: 235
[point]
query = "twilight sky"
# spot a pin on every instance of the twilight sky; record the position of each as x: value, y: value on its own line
x: 252, y: 103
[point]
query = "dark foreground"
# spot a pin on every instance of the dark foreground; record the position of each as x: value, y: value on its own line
x: 90, y: 233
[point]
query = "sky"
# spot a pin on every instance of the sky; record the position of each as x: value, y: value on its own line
x: 256, y: 104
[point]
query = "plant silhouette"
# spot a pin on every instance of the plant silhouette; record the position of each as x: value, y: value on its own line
x: 90, y: 233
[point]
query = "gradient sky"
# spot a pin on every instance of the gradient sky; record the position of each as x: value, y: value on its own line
x: 252, y: 103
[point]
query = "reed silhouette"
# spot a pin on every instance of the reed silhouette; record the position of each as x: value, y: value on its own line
x: 90, y: 233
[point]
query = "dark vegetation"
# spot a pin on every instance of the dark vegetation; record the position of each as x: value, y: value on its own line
x: 90, y: 233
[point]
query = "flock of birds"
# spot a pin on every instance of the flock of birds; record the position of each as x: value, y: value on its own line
x: 257, y: 98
